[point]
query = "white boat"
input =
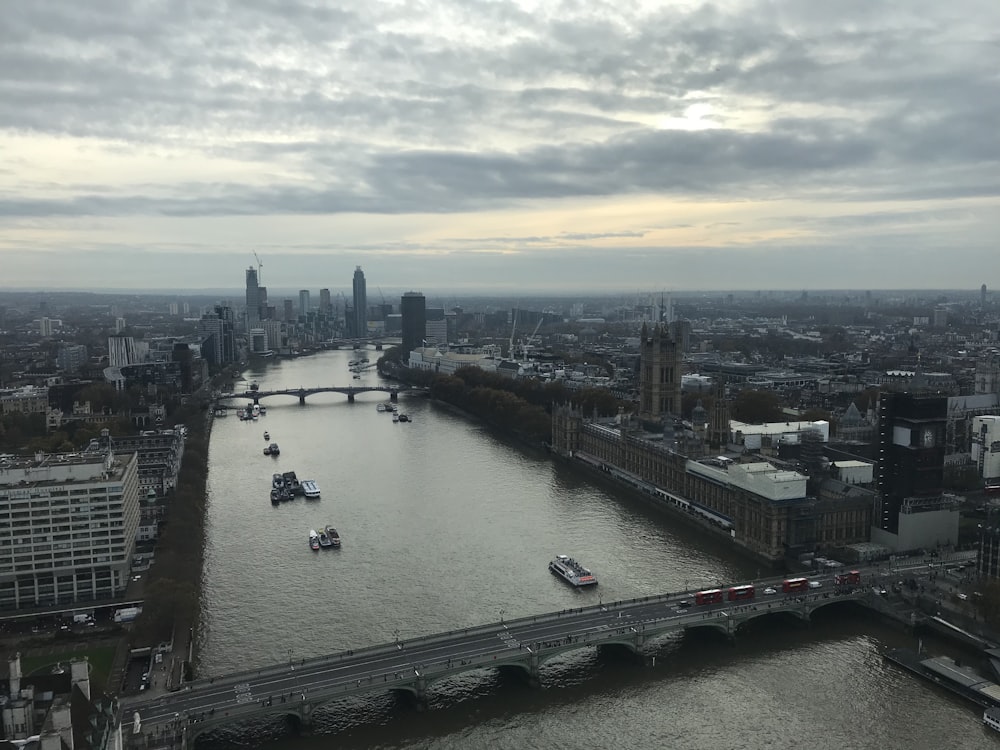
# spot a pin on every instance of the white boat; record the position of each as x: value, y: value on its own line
x: 991, y: 718
x: 255, y: 410
x: 267, y: 435
x: 309, y: 488
x: 572, y: 572
x: 313, y: 539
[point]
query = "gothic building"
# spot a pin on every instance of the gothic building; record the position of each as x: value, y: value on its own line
x: 660, y: 368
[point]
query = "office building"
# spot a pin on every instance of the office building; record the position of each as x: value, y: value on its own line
x: 67, y: 528
x: 360, y: 326
x: 253, y: 299
x: 72, y: 358
x: 435, y: 326
x: 119, y: 325
x: 45, y: 327
x: 412, y: 307
x: 122, y: 351
x: 288, y: 314
x: 303, y: 302
x: 325, y: 303
x: 986, y: 445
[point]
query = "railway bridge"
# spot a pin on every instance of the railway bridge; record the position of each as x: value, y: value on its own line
x: 412, y: 666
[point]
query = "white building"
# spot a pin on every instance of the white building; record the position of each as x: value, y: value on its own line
x: 122, y: 351
x: 67, y: 527
x: 447, y: 362
x: 986, y: 445
x: 760, y: 477
x: 755, y: 436
x: 27, y: 400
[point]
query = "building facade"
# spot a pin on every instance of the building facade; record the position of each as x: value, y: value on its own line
x: 67, y: 528
x: 412, y: 308
x: 660, y: 370
x: 986, y: 445
x: 253, y: 299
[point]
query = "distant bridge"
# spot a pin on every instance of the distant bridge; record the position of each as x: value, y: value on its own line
x: 298, y: 688
x: 348, y: 390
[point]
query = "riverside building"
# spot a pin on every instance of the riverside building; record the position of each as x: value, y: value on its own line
x: 67, y: 527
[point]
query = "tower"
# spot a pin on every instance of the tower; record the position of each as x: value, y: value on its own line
x: 412, y: 307
x: 660, y: 370
x: 253, y: 298
x: 360, y: 304
x: 718, y: 428
x: 303, y: 302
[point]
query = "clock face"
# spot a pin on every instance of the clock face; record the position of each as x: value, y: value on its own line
x: 928, y: 438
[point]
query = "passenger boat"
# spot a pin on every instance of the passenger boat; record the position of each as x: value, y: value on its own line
x: 263, y: 410
x: 267, y: 435
x: 274, y: 449
x: 313, y: 539
x: 991, y: 718
x: 255, y: 410
x: 324, y: 540
x: 380, y: 408
x: 403, y: 418
x: 275, y: 495
x: 572, y: 572
x: 309, y: 488
x: 395, y: 417
x: 333, y: 536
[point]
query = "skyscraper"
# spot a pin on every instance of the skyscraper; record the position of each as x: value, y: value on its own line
x: 360, y: 304
x: 303, y: 302
x: 412, y: 306
x: 325, y: 304
x: 253, y: 298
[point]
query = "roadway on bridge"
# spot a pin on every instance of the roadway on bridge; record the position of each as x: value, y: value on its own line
x: 397, y: 665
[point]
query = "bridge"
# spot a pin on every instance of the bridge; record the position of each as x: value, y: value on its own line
x: 348, y: 390
x: 411, y: 666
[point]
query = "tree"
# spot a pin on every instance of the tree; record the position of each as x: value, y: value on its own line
x: 756, y: 407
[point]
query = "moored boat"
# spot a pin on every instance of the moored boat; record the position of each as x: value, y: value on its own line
x: 274, y: 450
x: 310, y: 489
x: 991, y: 718
x: 572, y: 572
x: 333, y: 536
x: 324, y: 540
x: 267, y: 435
x: 313, y: 539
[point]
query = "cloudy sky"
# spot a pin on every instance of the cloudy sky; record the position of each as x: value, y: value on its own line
x: 500, y: 144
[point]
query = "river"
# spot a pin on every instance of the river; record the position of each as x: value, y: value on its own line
x: 445, y: 525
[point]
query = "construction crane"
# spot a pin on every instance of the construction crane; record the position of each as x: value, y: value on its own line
x: 380, y: 294
x: 260, y: 266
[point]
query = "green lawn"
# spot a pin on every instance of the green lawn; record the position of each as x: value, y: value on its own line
x: 100, y: 659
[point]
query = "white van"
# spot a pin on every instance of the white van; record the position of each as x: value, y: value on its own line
x: 815, y: 584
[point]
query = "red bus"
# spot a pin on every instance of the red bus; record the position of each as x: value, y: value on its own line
x: 791, y: 585
x: 850, y: 578
x: 741, y: 593
x: 992, y: 487
x: 710, y: 596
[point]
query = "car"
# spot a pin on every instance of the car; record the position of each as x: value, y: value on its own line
x: 815, y: 584
x: 770, y: 591
x: 684, y: 604
x: 963, y: 597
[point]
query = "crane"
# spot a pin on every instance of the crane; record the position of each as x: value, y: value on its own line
x: 260, y: 266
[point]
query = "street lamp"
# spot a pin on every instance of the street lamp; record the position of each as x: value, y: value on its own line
x: 501, y: 616
x: 290, y: 659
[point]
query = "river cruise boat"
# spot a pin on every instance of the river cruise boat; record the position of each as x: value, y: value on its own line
x: 333, y: 536
x: 313, y: 539
x: 310, y: 488
x: 991, y: 718
x: 572, y: 572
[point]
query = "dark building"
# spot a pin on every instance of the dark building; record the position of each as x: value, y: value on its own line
x: 413, y: 307
x: 660, y: 369
x: 360, y: 322
x: 910, y: 460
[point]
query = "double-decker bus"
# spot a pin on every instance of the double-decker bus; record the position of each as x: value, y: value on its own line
x: 709, y: 596
x: 791, y: 585
x: 851, y: 578
x: 741, y: 593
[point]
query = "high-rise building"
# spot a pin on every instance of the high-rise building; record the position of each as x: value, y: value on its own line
x: 325, y: 303
x: 119, y: 324
x: 45, y: 326
x: 72, y: 358
x: 660, y: 371
x: 289, y: 310
x: 253, y: 298
x: 412, y: 307
x: 982, y: 295
x: 435, y: 326
x: 122, y: 351
x: 360, y: 328
x: 69, y: 522
x: 303, y: 302
x: 986, y: 445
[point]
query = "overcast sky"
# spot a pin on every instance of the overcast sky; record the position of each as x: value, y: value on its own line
x: 500, y: 144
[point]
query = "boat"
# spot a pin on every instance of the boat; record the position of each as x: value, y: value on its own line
x: 310, y: 488
x: 572, y: 572
x: 277, y: 481
x: 949, y: 674
x: 357, y: 377
x: 395, y: 417
x: 274, y: 449
x: 380, y: 408
x: 255, y: 410
x: 313, y: 539
x: 324, y: 540
x: 403, y: 418
x: 263, y: 410
x: 991, y: 718
x: 275, y: 495
x: 333, y: 536
x: 267, y: 450
x: 267, y: 435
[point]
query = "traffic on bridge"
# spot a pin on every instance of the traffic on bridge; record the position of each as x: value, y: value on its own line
x: 297, y: 687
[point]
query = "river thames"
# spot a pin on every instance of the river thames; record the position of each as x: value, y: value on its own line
x: 445, y: 525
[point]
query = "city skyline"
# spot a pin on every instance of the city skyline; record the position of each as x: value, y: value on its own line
x: 502, y: 146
